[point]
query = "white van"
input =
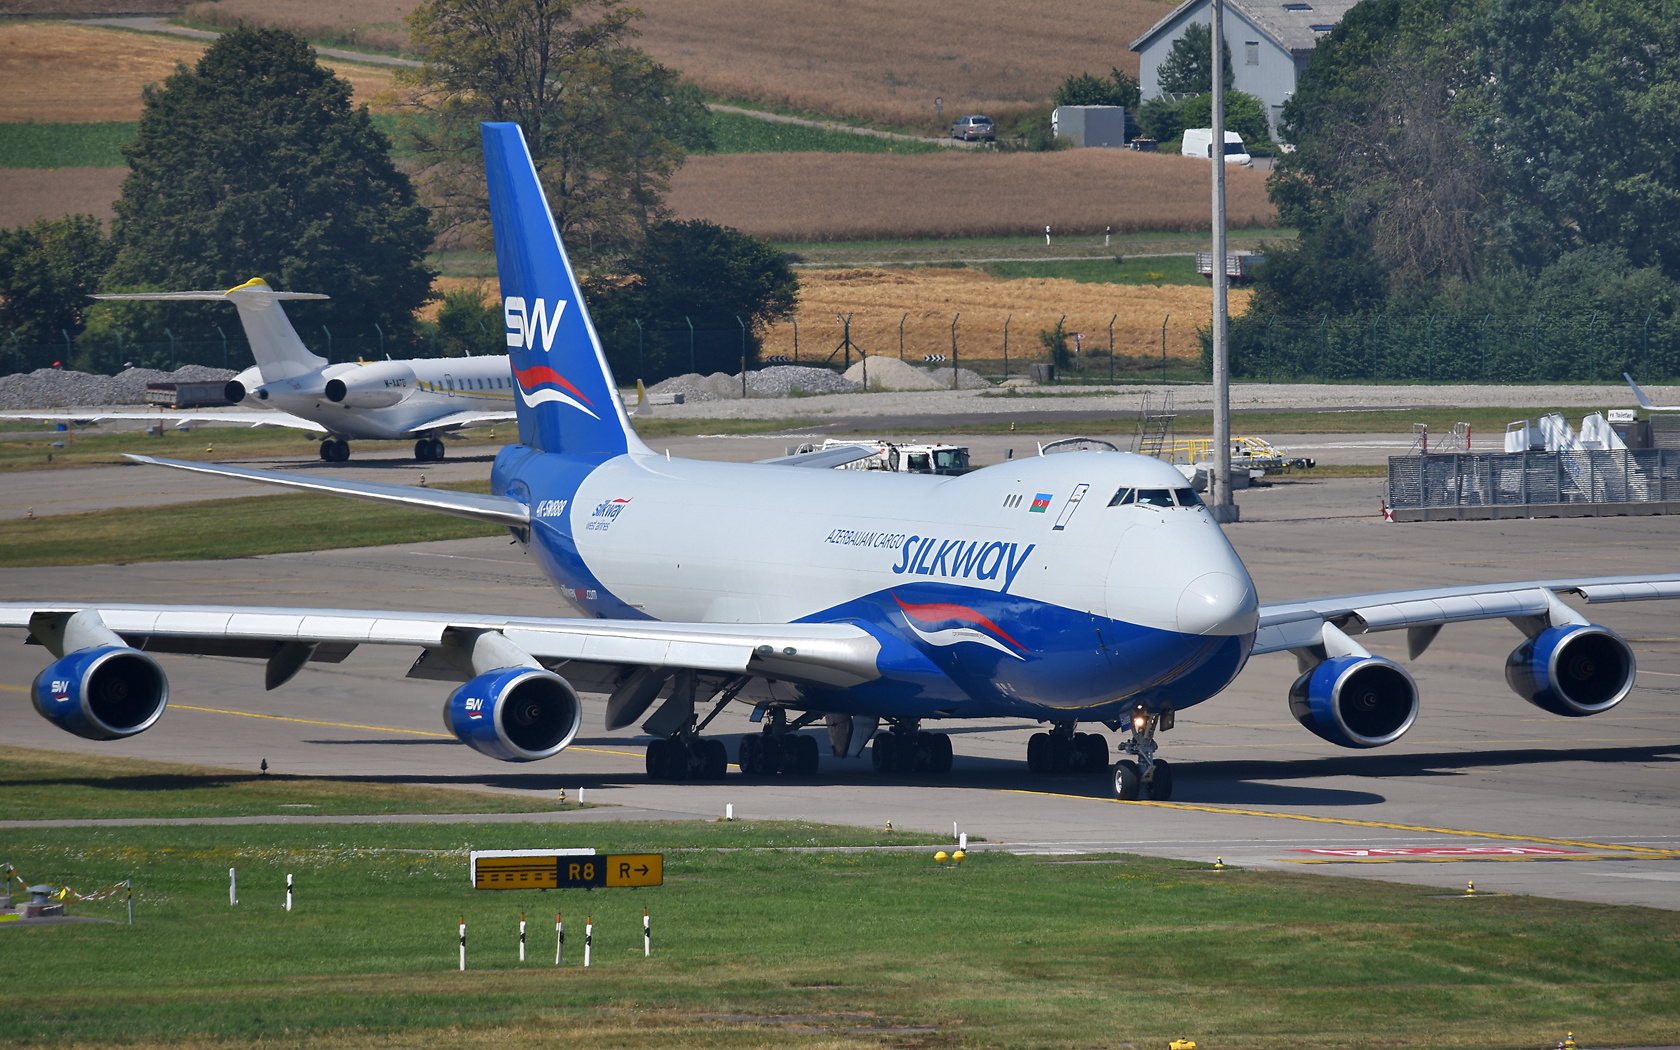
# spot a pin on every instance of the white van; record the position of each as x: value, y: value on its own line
x: 1198, y: 142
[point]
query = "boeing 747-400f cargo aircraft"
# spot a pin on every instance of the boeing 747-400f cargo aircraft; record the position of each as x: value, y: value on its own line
x: 1085, y: 589
x: 290, y: 386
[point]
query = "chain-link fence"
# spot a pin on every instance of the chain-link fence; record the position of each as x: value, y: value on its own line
x: 1457, y: 348
x: 1477, y: 485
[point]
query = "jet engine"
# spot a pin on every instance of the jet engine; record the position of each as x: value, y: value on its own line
x: 102, y: 692
x: 241, y: 386
x: 515, y: 714
x: 1356, y: 701
x: 379, y: 385
x: 1573, y: 670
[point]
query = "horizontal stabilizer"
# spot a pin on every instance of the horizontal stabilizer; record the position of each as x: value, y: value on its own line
x: 498, y: 510
x: 827, y: 458
x: 160, y: 297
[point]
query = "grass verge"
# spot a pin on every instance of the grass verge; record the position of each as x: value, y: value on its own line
x: 43, y: 785
x: 228, y: 528
x: 92, y: 447
x: 757, y: 947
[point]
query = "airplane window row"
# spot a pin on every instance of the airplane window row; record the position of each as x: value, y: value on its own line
x: 1155, y: 497
x: 469, y: 384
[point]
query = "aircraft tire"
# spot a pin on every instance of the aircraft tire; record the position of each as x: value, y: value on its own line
x: 326, y: 451
x: 423, y: 450
x: 1095, y: 749
x: 1126, y: 780
x: 717, y: 759
x: 1161, y: 781
x: 806, y: 759
x: 938, y: 752
x: 437, y: 450
x: 657, y: 763
x: 881, y: 752
x: 750, y: 756
x: 1039, y: 759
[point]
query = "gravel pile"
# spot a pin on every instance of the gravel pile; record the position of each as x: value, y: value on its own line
x: 889, y: 373
x: 57, y: 388
x: 776, y: 381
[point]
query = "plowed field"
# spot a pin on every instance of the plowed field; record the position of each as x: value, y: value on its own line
x: 59, y: 73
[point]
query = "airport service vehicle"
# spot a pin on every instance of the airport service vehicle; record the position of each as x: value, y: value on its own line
x: 903, y: 457
x: 1084, y: 590
x: 1198, y: 142
x: 973, y: 127
x: 289, y: 386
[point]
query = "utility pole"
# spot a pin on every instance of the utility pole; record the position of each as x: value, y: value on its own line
x: 1219, y: 485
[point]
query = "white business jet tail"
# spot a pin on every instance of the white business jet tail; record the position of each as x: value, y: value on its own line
x: 274, y: 342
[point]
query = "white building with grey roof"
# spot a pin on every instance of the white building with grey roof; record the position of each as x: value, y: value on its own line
x: 1270, y: 42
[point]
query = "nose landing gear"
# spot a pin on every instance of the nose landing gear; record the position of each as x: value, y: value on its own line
x: 1145, y: 774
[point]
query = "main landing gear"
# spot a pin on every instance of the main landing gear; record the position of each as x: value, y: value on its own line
x: 780, y: 749
x: 679, y: 752
x: 1146, y: 774
x: 428, y: 450
x: 335, y: 450
x: 1064, y: 751
x: 907, y: 749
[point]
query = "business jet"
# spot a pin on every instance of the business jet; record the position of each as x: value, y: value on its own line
x: 1083, y: 590
x: 290, y: 386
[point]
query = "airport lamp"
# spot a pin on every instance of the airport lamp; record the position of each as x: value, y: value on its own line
x: 1219, y: 485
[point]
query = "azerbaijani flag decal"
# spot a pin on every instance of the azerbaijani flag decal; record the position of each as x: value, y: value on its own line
x: 540, y: 383
x: 1041, y: 503
x: 946, y: 623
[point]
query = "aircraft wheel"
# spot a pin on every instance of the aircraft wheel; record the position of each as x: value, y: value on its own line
x: 423, y: 450
x: 750, y: 756
x: 326, y: 451
x: 938, y: 753
x: 437, y: 449
x: 881, y: 752
x: 717, y: 759
x: 806, y: 759
x: 1126, y: 780
x: 1095, y: 749
x: 778, y: 756
x: 657, y: 759
x: 1038, y: 753
x: 1160, y: 781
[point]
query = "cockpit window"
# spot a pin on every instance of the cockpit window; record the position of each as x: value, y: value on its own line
x: 1122, y: 498
x: 1187, y: 497
x: 1155, y: 497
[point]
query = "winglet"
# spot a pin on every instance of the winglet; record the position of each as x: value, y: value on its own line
x: 1639, y: 395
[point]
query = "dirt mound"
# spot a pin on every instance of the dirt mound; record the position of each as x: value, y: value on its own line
x: 889, y: 373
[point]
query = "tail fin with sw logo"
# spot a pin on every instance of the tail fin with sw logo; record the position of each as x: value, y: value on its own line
x: 567, y: 400
x: 280, y: 354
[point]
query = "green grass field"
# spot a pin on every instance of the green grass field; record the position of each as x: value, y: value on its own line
x: 41, y: 785
x: 734, y: 133
x: 65, y: 145
x: 796, y: 946
x: 1159, y: 270
x: 228, y: 528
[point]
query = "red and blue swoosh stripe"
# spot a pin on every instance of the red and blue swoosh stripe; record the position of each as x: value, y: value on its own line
x: 946, y: 623
x: 540, y: 383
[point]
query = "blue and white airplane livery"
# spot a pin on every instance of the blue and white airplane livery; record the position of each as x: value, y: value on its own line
x: 1085, y: 588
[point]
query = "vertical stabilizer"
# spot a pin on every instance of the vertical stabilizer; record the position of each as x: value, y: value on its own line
x: 280, y: 354
x: 567, y: 400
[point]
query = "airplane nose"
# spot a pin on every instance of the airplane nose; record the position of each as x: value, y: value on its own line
x: 1218, y: 603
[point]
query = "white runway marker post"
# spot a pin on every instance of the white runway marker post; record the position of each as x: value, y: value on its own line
x: 233, y: 887
x: 588, y: 939
x: 962, y: 841
x: 521, y: 936
x: 463, y: 942
x: 559, y: 939
x: 729, y: 811
x: 288, y: 892
x: 647, y: 936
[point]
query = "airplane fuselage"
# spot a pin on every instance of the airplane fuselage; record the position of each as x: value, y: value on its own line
x: 990, y: 594
x: 419, y: 392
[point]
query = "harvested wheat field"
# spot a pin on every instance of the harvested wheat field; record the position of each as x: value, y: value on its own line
x: 27, y: 194
x: 860, y: 196
x: 927, y: 300
x: 873, y: 60
x: 60, y: 73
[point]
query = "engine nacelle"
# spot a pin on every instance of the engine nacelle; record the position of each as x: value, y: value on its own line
x: 379, y: 385
x: 242, y: 386
x: 1356, y: 701
x: 102, y: 693
x: 1576, y: 670
x: 515, y: 714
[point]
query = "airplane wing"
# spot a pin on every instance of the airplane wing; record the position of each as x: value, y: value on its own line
x: 261, y: 418
x: 828, y: 655
x: 460, y: 420
x: 1300, y: 624
x: 498, y: 510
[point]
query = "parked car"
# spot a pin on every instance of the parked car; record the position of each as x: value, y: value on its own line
x: 975, y: 127
x: 1198, y: 142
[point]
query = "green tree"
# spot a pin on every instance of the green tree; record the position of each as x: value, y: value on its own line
x: 606, y: 125
x: 1244, y: 114
x: 698, y: 270
x: 47, y: 271
x: 1116, y: 89
x: 1188, y: 66
x: 468, y: 324
x: 253, y: 163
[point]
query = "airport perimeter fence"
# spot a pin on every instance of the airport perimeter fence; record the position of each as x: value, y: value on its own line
x: 1454, y: 348
x: 1478, y: 485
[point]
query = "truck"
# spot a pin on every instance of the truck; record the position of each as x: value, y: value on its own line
x: 1085, y: 126
x: 899, y: 457
x: 187, y: 395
